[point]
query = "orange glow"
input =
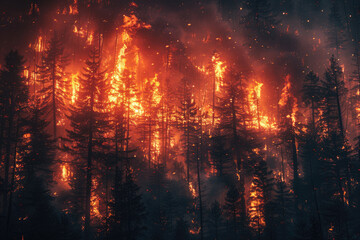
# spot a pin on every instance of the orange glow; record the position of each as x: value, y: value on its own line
x: 195, y: 231
x: 95, y: 201
x: 219, y: 70
x: 260, y: 120
x: 40, y: 44
x: 285, y: 98
x: 192, y: 190
x: 133, y: 22
x: 65, y: 172
x: 257, y: 218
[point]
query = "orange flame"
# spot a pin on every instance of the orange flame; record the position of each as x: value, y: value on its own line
x: 219, y: 70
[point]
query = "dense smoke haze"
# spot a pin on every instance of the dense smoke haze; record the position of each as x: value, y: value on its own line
x: 180, y: 120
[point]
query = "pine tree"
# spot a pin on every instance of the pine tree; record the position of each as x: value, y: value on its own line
x: 220, y: 155
x: 14, y: 96
x: 260, y: 211
x: 283, y: 210
x: 128, y: 213
x: 288, y: 134
x: 181, y: 230
x: 89, y: 122
x: 233, y: 126
x: 336, y: 154
x: 333, y: 88
x: 312, y: 94
x: 261, y: 14
x: 336, y: 33
x: 128, y: 93
x: 35, y: 214
x: 149, y: 121
x: 52, y: 77
x: 158, y: 188
x: 310, y: 152
x: 260, y: 22
x: 187, y: 123
x: 233, y: 209
x: 215, y: 220
x: 337, y: 191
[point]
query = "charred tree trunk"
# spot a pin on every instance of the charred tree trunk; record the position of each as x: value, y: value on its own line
x: 341, y: 126
x: 54, y: 100
x: 150, y: 139
x: 198, y: 160
x: 89, y: 166
x: 8, y: 219
x: 9, y: 141
x: 295, y: 167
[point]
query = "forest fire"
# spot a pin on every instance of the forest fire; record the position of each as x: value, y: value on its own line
x: 182, y: 120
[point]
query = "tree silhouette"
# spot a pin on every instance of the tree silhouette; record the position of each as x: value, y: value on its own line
x: 89, y: 122
x: 14, y: 96
x: 55, y: 87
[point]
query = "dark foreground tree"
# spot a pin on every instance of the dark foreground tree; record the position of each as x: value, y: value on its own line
x: 88, y: 126
x: 128, y: 211
x: 14, y: 96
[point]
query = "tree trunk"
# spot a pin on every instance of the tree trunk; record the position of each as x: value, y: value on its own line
x: 9, y: 141
x: 53, y: 76
x: 12, y: 185
x: 199, y: 188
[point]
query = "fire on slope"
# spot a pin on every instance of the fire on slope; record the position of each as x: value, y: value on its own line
x: 127, y: 85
